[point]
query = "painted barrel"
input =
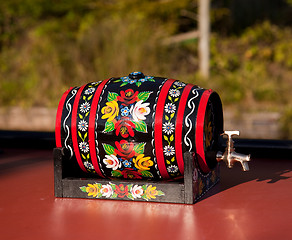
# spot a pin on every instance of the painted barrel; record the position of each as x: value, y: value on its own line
x: 139, y: 127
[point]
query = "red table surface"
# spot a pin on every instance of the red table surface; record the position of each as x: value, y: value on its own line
x: 244, y: 205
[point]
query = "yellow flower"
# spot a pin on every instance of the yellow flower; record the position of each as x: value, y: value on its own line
x: 208, y: 134
x: 92, y: 190
x: 110, y: 111
x: 151, y: 192
x: 142, y: 163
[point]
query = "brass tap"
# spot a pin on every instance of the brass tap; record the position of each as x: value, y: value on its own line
x: 230, y: 156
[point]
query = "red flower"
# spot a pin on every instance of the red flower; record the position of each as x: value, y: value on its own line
x: 125, y: 127
x: 121, y: 190
x: 128, y: 97
x: 125, y: 149
x: 130, y: 173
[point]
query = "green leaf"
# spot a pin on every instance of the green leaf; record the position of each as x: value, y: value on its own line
x: 172, y: 115
x: 88, y: 155
x: 139, y: 148
x: 84, y: 98
x: 99, y: 195
x: 168, y: 162
x: 124, y: 84
x: 165, y: 138
x: 83, y: 189
x: 112, y: 96
x: 89, y: 97
x: 138, y: 84
x: 109, y: 127
x: 140, y: 126
x: 151, y: 80
x: 87, y: 114
x: 171, y: 138
x: 129, y: 186
x: 118, y: 80
x: 83, y: 156
x: 146, y: 174
x: 166, y: 118
x: 130, y: 196
x: 144, y: 96
x: 144, y: 187
x: 80, y: 116
x: 116, y: 173
x: 108, y: 149
x: 160, y: 193
x: 80, y: 135
x: 85, y: 135
x: 175, y: 99
x: 115, y: 195
x: 172, y: 159
x: 170, y: 98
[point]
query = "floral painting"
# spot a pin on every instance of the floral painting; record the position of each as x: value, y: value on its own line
x: 127, y: 160
x: 126, y: 112
x: 113, y: 191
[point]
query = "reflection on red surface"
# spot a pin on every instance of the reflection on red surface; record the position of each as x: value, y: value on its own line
x: 252, y: 205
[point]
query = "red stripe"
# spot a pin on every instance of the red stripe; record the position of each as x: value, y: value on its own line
x: 91, y: 127
x: 74, y: 129
x: 59, y: 118
x: 158, y: 128
x: 179, y: 127
x: 200, y: 131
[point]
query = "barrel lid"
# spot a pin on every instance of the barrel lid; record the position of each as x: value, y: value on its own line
x: 136, y: 75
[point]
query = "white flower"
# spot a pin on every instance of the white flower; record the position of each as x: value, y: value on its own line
x: 137, y: 191
x: 180, y: 84
x: 168, y: 127
x: 111, y: 161
x: 172, y: 169
x: 84, y: 146
x: 84, y: 107
x: 82, y: 125
x: 139, y: 111
x: 88, y: 165
x: 174, y: 92
x: 106, y: 190
x: 170, y: 108
x: 168, y: 150
x: 89, y: 91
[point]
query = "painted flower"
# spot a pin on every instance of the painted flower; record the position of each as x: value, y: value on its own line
x: 208, y: 132
x: 125, y: 127
x: 170, y: 108
x: 174, y: 92
x: 151, y: 192
x: 111, y: 161
x: 168, y: 150
x: 172, y: 169
x: 125, y: 79
x: 110, y: 111
x: 131, y: 174
x: 168, y: 128
x: 137, y: 191
x: 92, y: 190
x: 121, y: 190
x: 128, y: 97
x: 142, y: 163
x: 125, y: 111
x: 140, y: 110
x: 124, y: 149
x: 127, y: 163
x: 179, y: 84
x: 82, y: 125
x: 84, y: 108
x: 106, y: 190
x: 142, y: 80
x: 89, y: 91
x: 88, y: 165
x: 132, y: 81
x: 84, y: 146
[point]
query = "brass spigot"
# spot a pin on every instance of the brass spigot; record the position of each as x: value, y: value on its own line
x: 230, y: 156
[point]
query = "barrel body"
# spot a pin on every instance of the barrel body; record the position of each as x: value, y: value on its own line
x: 139, y: 127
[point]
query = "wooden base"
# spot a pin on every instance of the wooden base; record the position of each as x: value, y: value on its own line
x: 70, y: 184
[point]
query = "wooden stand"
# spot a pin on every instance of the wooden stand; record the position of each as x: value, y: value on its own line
x: 70, y: 183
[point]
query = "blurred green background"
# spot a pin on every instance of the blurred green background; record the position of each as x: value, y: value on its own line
x: 48, y: 46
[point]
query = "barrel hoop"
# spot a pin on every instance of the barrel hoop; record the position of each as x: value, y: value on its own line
x: 158, y: 128
x: 179, y: 127
x: 91, y: 127
x: 200, y: 131
x: 59, y: 119
x: 74, y: 128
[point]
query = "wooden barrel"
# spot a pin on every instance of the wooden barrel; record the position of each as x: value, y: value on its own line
x: 138, y: 127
